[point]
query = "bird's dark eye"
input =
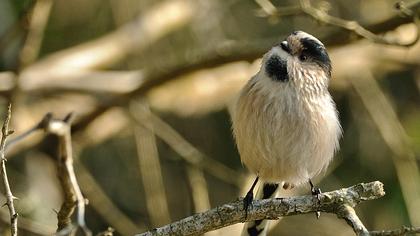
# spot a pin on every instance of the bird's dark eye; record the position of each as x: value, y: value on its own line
x: 303, y: 57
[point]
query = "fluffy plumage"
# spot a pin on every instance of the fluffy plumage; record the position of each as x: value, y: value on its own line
x: 285, y: 122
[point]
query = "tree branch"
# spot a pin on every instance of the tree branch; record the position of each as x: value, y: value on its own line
x: 9, y: 196
x: 339, y: 202
x: 396, y: 232
x: 72, y: 193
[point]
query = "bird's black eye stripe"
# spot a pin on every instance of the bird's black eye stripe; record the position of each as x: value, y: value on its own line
x: 276, y: 68
x: 269, y: 190
x: 312, y: 47
x: 316, y: 52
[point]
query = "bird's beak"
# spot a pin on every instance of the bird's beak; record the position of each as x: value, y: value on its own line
x: 285, y: 46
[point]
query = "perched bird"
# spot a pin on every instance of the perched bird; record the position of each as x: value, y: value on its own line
x: 285, y: 121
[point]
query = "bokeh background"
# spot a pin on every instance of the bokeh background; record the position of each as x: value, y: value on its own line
x: 150, y: 83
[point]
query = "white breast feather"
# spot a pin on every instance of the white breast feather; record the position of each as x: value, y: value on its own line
x: 286, y: 131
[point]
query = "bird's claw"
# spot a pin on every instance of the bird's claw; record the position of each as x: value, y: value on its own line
x: 248, y: 202
x: 316, y: 192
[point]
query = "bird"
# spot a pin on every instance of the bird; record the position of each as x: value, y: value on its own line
x: 285, y: 122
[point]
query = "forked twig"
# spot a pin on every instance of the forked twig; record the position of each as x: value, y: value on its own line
x: 72, y: 194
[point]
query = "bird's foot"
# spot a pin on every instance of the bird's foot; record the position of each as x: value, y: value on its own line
x: 249, y: 197
x: 316, y: 192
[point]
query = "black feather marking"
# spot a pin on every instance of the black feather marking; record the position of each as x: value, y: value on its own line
x: 276, y: 69
x: 253, y: 231
x: 269, y: 190
x: 317, y: 53
x: 258, y: 222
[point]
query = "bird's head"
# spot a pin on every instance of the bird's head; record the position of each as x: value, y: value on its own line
x: 301, y: 59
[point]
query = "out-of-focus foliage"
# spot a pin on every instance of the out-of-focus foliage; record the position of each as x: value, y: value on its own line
x: 216, y: 43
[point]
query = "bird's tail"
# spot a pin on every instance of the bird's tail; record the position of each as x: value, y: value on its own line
x: 259, y: 227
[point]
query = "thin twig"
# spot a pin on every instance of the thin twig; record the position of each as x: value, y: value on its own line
x: 347, y: 213
x: 355, y: 27
x: 41, y: 125
x: 9, y: 196
x: 72, y: 193
x: 233, y: 212
x: 98, y: 199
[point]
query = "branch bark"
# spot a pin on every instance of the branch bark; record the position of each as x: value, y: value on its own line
x: 397, y: 232
x: 72, y: 194
x: 339, y: 202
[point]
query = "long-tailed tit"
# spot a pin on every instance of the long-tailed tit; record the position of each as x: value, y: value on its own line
x: 285, y: 122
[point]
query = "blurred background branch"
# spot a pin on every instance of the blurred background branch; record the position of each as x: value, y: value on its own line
x: 151, y: 172
x: 396, y: 138
x: 37, y: 23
